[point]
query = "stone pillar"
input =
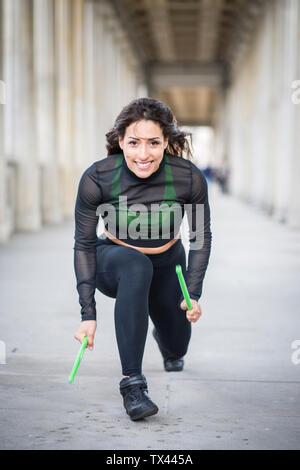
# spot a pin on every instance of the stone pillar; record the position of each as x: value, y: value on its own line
x: 120, y: 75
x: 100, y: 90
x: 28, y: 213
x: 285, y: 39
x: 3, y: 202
x: 260, y: 113
x: 271, y: 118
x: 45, y: 109
x: 118, y: 40
x: 220, y: 156
x: 293, y: 217
x: 237, y: 147
x: 79, y: 153
x: 9, y: 116
x: 110, y: 77
x: 63, y: 70
x: 89, y: 82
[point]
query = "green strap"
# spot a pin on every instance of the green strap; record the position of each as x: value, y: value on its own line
x: 170, y: 193
x: 128, y: 216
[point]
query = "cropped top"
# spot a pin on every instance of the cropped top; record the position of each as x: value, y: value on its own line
x: 142, y: 212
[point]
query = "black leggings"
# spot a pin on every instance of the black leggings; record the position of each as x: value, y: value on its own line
x: 143, y: 285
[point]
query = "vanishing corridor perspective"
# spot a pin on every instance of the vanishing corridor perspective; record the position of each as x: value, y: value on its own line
x: 68, y: 66
x: 230, y: 72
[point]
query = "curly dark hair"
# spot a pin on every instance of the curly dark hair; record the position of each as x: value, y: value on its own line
x: 152, y: 110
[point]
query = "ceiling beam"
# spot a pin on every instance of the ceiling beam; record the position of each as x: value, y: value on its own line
x: 164, y: 76
x: 173, y: 6
x: 126, y: 22
x: 160, y: 25
x: 208, y: 30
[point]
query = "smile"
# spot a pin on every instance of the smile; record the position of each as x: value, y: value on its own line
x: 144, y: 166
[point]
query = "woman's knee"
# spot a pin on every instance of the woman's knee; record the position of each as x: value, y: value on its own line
x: 178, y: 348
x: 134, y: 262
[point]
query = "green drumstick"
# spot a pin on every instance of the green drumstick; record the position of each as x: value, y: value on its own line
x: 78, y: 359
x: 183, y: 287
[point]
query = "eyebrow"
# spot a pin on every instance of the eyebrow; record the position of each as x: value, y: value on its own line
x: 138, y: 138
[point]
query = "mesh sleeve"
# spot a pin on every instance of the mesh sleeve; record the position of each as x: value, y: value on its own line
x: 85, y: 263
x: 198, y: 216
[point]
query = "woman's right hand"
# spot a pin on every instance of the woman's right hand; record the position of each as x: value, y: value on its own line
x: 86, y: 328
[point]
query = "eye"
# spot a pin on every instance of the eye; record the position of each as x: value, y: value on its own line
x: 154, y: 143
x: 133, y: 143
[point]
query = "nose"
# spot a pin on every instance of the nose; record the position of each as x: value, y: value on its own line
x: 143, y: 151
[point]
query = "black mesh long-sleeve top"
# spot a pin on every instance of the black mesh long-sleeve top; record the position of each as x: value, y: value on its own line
x: 143, y: 212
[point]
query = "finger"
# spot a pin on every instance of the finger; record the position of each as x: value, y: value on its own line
x: 183, y: 305
x: 79, y: 337
x: 90, y: 344
x: 193, y: 315
x: 193, y: 320
x: 191, y: 312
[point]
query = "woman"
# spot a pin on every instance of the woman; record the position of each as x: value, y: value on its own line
x: 140, y: 189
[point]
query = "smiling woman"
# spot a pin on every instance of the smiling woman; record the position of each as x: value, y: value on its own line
x: 141, y: 150
x: 149, y: 111
x: 143, y: 146
x: 146, y: 169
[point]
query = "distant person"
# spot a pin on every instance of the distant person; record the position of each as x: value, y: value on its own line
x: 145, y: 164
x: 222, y: 176
x: 207, y: 172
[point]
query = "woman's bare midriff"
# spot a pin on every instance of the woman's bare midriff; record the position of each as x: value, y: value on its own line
x: 147, y: 251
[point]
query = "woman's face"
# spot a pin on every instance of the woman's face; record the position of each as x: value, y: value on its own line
x: 143, y: 146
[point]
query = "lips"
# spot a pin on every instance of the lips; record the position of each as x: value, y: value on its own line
x: 144, y: 166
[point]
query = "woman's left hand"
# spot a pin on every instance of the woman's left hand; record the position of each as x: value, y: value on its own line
x: 194, y: 314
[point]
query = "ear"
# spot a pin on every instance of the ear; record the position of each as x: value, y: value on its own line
x: 121, y: 142
x: 166, y: 141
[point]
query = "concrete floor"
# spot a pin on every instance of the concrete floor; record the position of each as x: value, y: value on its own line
x: 239, y: 390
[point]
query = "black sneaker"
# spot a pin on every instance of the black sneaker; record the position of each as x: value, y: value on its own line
x: 171, y: 363
x: 135, y: 397
x: 174, y: 365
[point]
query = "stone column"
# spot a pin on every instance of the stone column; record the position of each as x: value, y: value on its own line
x: 284, y: 118
x: 63, y: 69
x: 89, y: 81
x: 9, y: 116
x: 100, y: 88
x: 115, y: 51
x: 120, y: 77
x: 79, y: 155
x: 293, y: 217
x: 118, y: 40
x: 28, y: 213
x: 271, y: 119
x: 220, y: 142
x: 45, y: 109
x: 110, y: 78
x: 3, y: 223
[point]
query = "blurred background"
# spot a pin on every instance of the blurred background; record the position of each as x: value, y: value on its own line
x: 229, y: 69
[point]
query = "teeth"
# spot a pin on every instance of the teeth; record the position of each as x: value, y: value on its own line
x: 143, y: 164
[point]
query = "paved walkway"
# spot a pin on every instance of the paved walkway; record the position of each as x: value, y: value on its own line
x: 239, y: 390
